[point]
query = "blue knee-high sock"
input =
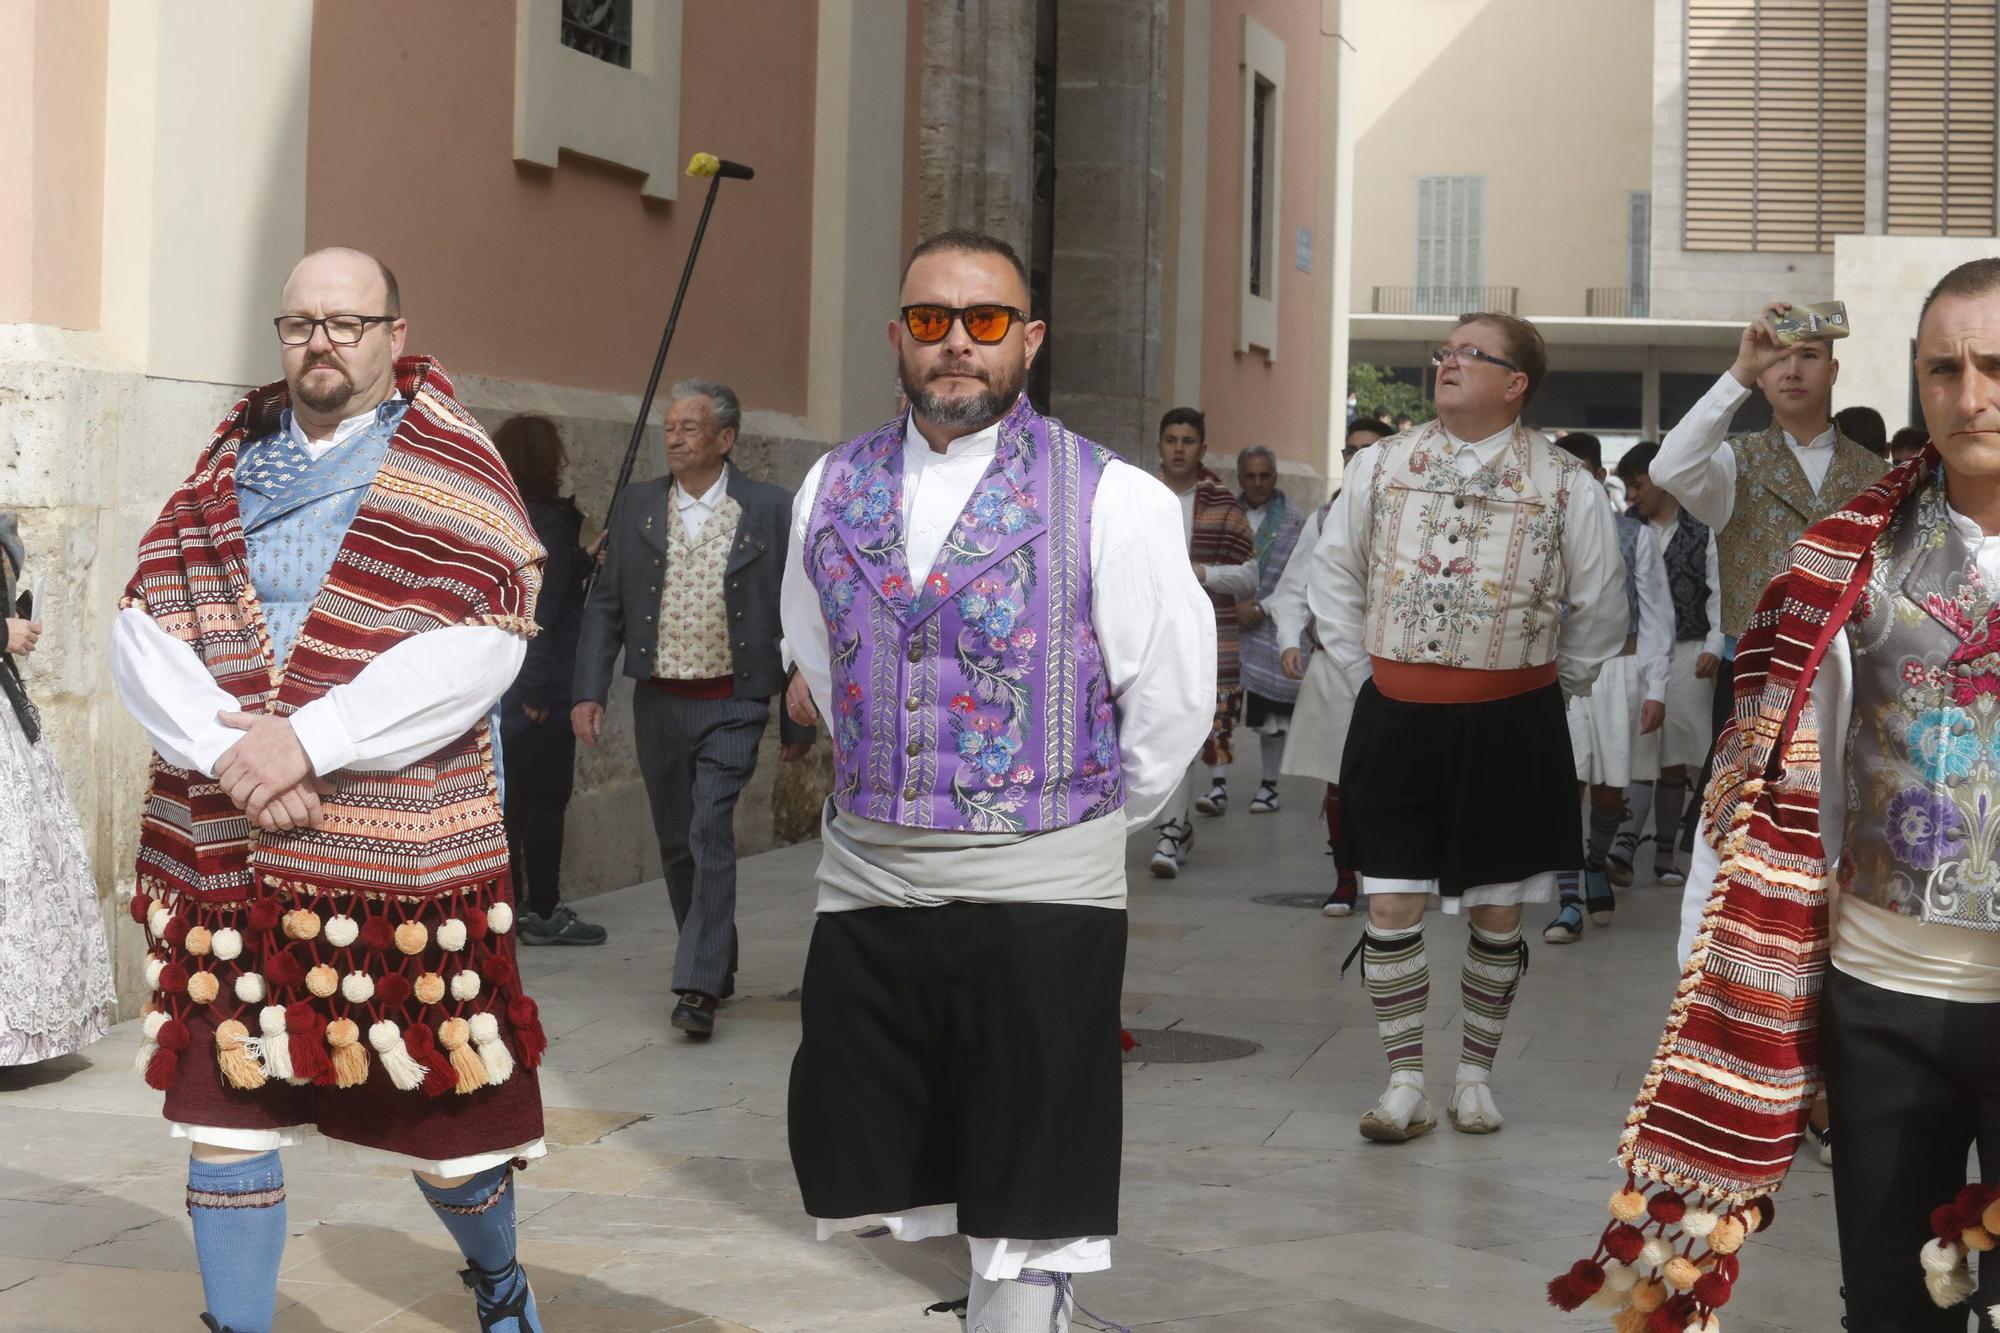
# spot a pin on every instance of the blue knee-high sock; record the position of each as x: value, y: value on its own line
x: 479, y: 1214
x: 238, y: 1210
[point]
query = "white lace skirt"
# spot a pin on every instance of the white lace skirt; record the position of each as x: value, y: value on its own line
x: 55, y: 965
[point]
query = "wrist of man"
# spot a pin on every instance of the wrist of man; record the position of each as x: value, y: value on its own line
x: 323, y: 736
x: 1745, y: 376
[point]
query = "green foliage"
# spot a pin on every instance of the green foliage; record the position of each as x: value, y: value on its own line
x: 1377, y: 395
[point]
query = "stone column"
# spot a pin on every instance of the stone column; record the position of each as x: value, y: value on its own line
x: 978, y: 146
x: 1111, y: 150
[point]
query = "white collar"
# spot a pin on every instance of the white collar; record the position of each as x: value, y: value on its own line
x: 1823, y: 440
x: 1485, y: 448
x: 342, y: 433
x: 710, y: 500
x: 979, y: 442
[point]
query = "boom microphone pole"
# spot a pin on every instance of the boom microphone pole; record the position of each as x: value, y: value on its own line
x: 716, y: 169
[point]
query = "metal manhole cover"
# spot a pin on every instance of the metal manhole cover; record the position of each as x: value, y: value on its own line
x: 1177, y: 1046
x: 1312, y: 900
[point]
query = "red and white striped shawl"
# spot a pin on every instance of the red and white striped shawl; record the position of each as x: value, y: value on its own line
x: 1725, y: 1102
x: 442, y: 539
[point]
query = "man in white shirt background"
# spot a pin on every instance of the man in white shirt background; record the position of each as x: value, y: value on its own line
x: 689, y: 593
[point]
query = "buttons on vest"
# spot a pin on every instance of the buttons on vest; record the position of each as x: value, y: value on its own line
x: 916, y: 652
x: 913, y: 749
x: 1458, y: 503
x: 1451, y: 540
x: 910, y: 792
x: 913, y: 703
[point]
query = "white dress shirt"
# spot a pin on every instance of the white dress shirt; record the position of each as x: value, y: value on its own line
x: 342, y: 433
x: 695, y: 509
x: 1878, y: 947
x: 1697, y: 466
x: 1155, y: 626
x: 426, y: 691
x: 1223, y: 580
x: 1656, y: 620
x: 1663, y: 533
x: 1593, y: 629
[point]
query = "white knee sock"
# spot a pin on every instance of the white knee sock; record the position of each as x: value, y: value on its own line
x: 941, y: 1265
x: 1036, y: 1302
x: 1272, y: 750
x: 1218, y: 772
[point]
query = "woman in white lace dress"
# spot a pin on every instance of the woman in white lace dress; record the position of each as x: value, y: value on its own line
x: 55, y: 967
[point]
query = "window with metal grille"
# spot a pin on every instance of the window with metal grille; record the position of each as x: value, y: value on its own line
x: 1451, y: 225
x: 599, y: 28
x: 1940, y: 160
x: 1777, y: 102
x: 1262, y: 106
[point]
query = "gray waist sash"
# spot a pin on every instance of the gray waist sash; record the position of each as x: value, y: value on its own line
x: 868, y: 863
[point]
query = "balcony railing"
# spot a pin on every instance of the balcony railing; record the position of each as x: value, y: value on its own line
x: 1614, y: 303
x: 1445, y: 300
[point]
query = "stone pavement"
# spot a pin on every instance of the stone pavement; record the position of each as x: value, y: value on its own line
x: 1250, y: 1204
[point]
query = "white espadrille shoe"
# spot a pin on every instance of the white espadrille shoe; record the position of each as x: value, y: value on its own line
x: 1472, y: 1110
x: 1404, y: 1113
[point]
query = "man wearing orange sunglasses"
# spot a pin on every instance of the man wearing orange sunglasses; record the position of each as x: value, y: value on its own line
x: 1000, y: 624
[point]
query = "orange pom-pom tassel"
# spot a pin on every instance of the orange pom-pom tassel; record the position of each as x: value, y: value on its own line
x: 239, y: 1068
x: 455, y: 1035
x: 350, y: 1057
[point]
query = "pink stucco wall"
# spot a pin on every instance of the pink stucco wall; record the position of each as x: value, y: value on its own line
x: 565, y: 276
x: 1249, y: 400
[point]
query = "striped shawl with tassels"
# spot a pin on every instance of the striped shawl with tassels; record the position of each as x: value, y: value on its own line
x: 1725, y: 1102
x: 378, y: 923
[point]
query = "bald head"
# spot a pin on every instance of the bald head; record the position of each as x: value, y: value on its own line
x: 355, y: 270
x: 331, y: 380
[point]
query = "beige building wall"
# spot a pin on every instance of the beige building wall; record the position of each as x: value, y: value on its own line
x: 1549, y: 100
x: 52, y: 73
x: 1883, y: 280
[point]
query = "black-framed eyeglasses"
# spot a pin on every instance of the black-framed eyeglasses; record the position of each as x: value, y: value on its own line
x: 984, y: 324
x: 341, y: 330
x: 1444, y: 354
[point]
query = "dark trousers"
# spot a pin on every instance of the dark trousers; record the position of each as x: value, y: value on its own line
x: 696, y: 756
x: 1917, y: 1084
x: 540, y: 759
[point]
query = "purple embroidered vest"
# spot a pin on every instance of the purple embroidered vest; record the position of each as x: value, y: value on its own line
x: 975, y: 699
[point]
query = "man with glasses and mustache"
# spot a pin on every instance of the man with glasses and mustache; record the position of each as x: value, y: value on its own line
x: 1467, y: 579
x: 323, y: 617
x: 997, y: 619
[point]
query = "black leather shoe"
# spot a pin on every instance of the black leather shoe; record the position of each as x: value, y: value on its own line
x: 695, y: 1015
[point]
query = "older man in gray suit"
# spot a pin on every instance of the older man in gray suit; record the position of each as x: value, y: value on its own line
x: 689, y: 591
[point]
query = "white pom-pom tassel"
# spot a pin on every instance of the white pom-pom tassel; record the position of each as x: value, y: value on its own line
x: 451, y: 936
x: 1993, y: 1315
x: 465, y: 985
x: 1620, y: 1277
x: 1938, y: 1257
x: 149, y: 1038
x: 274, y: 1045
x: 493, y: 1052
x: 499, y: 918
x: 1947, y: 1276
x: 1699, y: 1223
x: 154, y: 966
x: 156, y: 921
x: 402, y: 1068
x: 357, y: 988
x: 1704, y: 1324
x: 341, y: 931
x: 250, y: 987
x: 227, y: 943
x: 1655, y: 1253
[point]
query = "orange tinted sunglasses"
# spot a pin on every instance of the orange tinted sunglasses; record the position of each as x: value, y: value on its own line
x: 986, y: 324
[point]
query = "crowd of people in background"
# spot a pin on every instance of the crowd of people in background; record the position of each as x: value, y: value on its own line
x: 1511, y: 659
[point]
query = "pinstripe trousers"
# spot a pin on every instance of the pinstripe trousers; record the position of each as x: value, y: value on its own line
x: 696, y: 756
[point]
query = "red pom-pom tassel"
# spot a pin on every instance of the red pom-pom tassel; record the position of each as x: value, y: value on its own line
x: 377, y: 935
x: 500, y: 973
x: 176, y: 932
x: 1623, y: 1241
x: 1666, y: 1209
x: 1767, y: 1210
x: 141, y: 905
x: 173, y: 979
x: 439, y: 1076
x: 1585, y: 1276
x: 306, y: 1031
x: 265, y: 914
x: 1563, y: 1293
x: 174, y: 1036
x: 160, y: 1070
x: 393, y: 989
x: 526, y: 1019
x: 282, y: 970
x: 1711, y: 1290
x: 475, y: 925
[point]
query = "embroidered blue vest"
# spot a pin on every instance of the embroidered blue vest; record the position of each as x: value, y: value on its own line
x: 296, y: 512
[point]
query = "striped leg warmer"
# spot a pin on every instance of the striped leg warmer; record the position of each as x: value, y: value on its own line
x: 1493, y: 968
x: 1399, y: 983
